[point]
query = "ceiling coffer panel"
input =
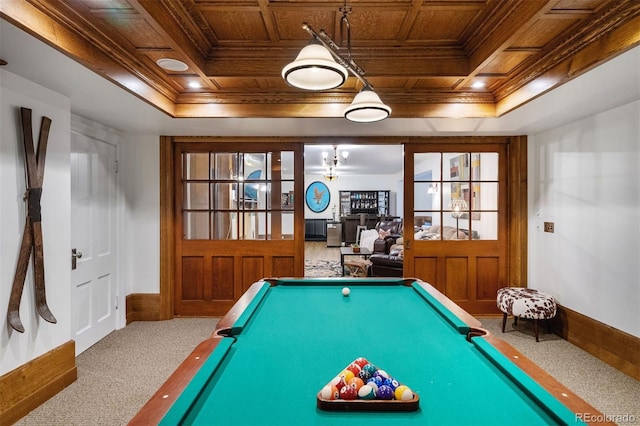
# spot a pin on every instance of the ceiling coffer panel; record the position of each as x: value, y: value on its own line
x: 237, y: 26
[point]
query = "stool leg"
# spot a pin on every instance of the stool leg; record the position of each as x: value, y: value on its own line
x: 504, y: 321
x: 515, y: 320
x: 535, y: 327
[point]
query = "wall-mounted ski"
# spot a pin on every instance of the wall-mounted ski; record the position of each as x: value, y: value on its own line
x: 32, y: 236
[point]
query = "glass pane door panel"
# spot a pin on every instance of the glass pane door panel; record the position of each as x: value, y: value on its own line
x: 427, y: 166
x: 196, y: 225
x: 224, y: 195
x: 196, y: 196
x: 224, y: 225
x: 224, y: 166
x: 485, y: 196
x: 196, y: 166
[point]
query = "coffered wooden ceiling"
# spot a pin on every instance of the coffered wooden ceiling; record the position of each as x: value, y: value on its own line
x: 421, y: 56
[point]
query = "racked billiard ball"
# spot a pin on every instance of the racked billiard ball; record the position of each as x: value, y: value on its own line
x: 356, y: 383
x: 338, y: 382
x: 354, y: 368
x: 347, y: 375
x: 377, y: 380
x: 330, y: 392
x: 391, y: 382
x: 370, y: 368
x: 381, y: 373
x: 384, y: 392
x: 403, y: 393
x: 361, y: 361
x: 366, y: 392
x: 364, y: 375
x: 348, y: 393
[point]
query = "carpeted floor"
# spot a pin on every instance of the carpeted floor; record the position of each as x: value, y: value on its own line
x: 120, y: 373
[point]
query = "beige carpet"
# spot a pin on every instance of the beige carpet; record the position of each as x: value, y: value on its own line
x: 119, y: 374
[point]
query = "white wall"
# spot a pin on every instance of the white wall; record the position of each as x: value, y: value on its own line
x: 39, y: 336
x: 139, y: 167
x: 585, y: 177
x: 355, y: 183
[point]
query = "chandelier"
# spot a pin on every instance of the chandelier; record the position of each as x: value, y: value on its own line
x: 319, y: 66
x: 331, y: 164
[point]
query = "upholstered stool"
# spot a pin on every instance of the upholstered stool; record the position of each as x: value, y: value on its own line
x: 525, y: 303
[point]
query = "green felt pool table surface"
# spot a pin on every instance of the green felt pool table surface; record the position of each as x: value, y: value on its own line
x: 284, y: 342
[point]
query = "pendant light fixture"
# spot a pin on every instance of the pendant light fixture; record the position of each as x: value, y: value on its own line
x: 319, y: 66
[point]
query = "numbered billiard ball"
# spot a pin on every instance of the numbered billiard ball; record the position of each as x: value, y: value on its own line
x: 381, y: 373
x: 364, y: 375
x: 370, y: 368
x: 330, y: 392
x: 356, y: 383
x: 391, y: 382
x: 347, y: 392
x: 354, y: 368
x: 366, y: 392
x: 346, y: 375
x: 384, y: 392
x: 403, y: 393
x: 361, y: 361
x: 377, y: 380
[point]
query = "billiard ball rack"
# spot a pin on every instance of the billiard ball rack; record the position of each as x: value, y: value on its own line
x: 367, y: 404
x: 381, y: 391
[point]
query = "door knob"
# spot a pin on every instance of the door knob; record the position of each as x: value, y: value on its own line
x: 74, y: 256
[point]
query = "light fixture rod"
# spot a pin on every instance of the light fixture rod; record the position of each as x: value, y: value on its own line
x: 324, y: 39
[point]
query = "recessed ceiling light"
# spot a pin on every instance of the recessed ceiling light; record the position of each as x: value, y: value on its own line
x: 172, y: 64
x: 478, y: 85
x: 194, y: 85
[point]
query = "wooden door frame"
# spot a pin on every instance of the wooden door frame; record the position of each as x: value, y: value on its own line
x: 161, y: 306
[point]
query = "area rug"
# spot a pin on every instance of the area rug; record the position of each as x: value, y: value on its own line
x: 322, y: 268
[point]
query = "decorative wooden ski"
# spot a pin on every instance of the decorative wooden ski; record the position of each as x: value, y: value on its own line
x: 32, y: 236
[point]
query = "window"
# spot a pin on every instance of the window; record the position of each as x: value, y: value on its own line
x: 456, y: 196
x: 237, y: 195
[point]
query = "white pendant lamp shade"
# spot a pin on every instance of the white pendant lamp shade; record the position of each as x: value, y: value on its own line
x: 315, y: 69
x: 366, y: 108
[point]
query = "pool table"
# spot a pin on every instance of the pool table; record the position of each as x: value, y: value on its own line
x: 286, y: 338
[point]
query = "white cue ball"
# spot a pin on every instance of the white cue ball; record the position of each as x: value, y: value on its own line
x: 346, y: 291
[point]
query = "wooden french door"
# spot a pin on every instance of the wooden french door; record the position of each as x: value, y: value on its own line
x: 238, y: 218
x: 456, y: 200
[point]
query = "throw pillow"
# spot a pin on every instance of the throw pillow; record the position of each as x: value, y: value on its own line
x: 368, y: 238
x: 383, y: 233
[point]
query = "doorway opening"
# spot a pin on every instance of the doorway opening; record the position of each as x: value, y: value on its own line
x: 363, y: 184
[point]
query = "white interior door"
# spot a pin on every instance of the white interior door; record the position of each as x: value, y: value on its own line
x: 93, y: 236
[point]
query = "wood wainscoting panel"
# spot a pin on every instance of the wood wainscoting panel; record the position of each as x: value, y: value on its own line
x: 457, y: 278
x: 487, y: 278
x: 253, y: 269
x: 281, y: 266
x: 615, y: 347
x: 426, y: 268
x: 28, y: 386
x: 143, y: 307
x: 192, y: 278
x: 222, y: 278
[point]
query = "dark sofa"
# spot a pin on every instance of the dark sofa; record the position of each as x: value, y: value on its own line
x: 386, y: 260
